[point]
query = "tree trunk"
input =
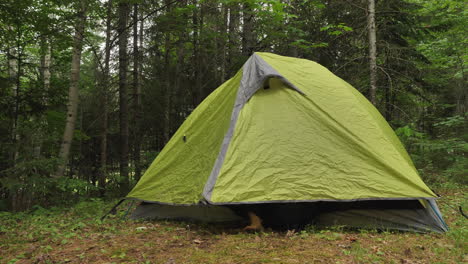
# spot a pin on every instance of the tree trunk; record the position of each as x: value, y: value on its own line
x: 388, y: 92
x: 248, y: 40
x: 14, y: 76
x: 177, y: 94
x: 137, y: 93
x: 46, y: 52
x: 196, y: 56
x: 461, y: 91
x: 214, y: 17
x: 104, y: 102
x: 168, y: 85
x: 123, y: 95
x: 232, y: 36
x: 45, y: 67
x: 167, y: 90
x: 72, y: 105
x: 18, y: 201
x: 223, y: 33
x: 372, y: 50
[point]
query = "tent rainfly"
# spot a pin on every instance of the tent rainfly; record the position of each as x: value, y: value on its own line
x: 287, y: 130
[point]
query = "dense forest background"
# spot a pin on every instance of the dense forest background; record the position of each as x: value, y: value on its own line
x: 91, y: 90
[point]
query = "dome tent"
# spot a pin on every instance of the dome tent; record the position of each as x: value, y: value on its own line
x: 287, y: 130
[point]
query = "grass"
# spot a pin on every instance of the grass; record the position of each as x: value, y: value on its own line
x: 76, y: 235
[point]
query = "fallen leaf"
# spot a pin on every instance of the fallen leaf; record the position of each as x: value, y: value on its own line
x: 375, y: 248
x: 91, y: 247
x: 170, y: 261
x: 290, y: 233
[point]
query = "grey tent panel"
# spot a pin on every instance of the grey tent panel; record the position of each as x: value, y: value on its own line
x: 196, y: 213
x: 414, y: 217
x: 405, y: 215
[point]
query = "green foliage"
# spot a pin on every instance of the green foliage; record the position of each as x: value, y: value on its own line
x: 445, y: 154
x: 148, y: 158
x: 32, y: 180
x: 336, y: 30
x: 453, y: 122
x: 408, y: 135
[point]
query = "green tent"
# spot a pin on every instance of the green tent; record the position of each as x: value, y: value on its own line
x: 287, y: 130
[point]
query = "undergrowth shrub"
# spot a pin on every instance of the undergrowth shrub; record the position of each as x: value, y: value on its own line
x: 442, y: 158
x: 29, y: 183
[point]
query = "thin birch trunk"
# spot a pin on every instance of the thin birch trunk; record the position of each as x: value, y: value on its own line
x: 46, y: 69
x: 202, y: 61
x: 372, y: 50
x: 214, y: 15
x: 46, y: 50
x: 72, y: 105
x: 196, y: 56
x: 223, y: 34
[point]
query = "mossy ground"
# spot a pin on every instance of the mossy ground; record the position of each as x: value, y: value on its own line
x: 76, y: 235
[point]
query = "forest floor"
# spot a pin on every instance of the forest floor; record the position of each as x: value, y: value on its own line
x: 76, y: 235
